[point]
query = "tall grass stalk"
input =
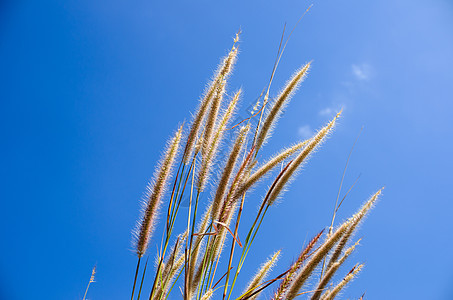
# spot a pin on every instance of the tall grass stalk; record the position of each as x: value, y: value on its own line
x: 194, y: 262
x: 93, y: 272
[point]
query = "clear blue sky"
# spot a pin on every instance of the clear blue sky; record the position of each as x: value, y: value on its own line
x: 90, y: 91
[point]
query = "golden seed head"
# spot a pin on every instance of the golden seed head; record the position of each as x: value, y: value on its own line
x: 279, y: 104
x: 154, y: 195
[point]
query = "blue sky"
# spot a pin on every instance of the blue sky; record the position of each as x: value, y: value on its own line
x: 90, y: 91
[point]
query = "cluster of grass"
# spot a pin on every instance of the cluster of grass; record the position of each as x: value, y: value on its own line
x: 190, y: 259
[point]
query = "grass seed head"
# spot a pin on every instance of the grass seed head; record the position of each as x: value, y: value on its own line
x: 304, y: 154
x: 269, y: 165
x: 330, y: 272
x: 261, y: 275
x: 330, y: 295
x: 222, y: 74
x: 228, y: 172
x: 355, y: 222
x: 154, y: 195
x: 279, y: 105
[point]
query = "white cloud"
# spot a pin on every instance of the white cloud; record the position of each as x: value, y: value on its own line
x: 305, y: 131
x: 362, y: 71
x: 326, y: 111
x: 331, y: 110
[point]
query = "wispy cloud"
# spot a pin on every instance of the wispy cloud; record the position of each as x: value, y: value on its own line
x: 305, y: 131
x: 362, y: 71
x: 331, y: 110
x: 326, y: 111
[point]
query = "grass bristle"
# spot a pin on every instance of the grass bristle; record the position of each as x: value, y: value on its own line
x: 193, y: 263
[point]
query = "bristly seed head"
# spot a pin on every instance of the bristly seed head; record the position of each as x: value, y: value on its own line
x: 154, y: 195
x: 269, y: 165
x: 279, y: 105
x: 330, y: 295
x: 214, y: 143
x: 315, y: 141
x: 222, y: 74
x: 356, y: 219
x: 199, y: 261
x: 227, y: 173
x: 261, y: 275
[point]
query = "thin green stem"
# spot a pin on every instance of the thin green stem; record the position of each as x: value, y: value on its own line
x: 86, y: 291
x: 143, y: 277
x: 186, y: 258
x: 173, y: 219
x: 233, y: 244
x: 247, y: 245
x: 135, y: 279
x: 174, y: 196
x: 203, y: 263
x: 167, y: 239
x: 189, y: 267
x: 174, y: 282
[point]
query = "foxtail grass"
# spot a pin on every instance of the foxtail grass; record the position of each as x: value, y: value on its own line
x: 219, y: 165
x: 222, y: 74
x: 279, y: 104
x: 154, y: 192
x: 331, y: 294
x: 330, y: 272
x: 261, y: 275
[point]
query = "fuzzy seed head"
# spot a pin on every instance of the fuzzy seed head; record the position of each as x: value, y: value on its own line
x: 261, y: 275
x: 331, y: 272
x: 269, y: 165
x: 279, y: 104
x: 208, y: 295
x: 227, y: 172
x: 314, y: 143
x: 213, y: 146
x: 355, y: 222
x: 154, y: 195
x: 212, y: 118
x: 222, y: 73
x: 286, y: 282
x: 350, y: 276
x: 315, y: 259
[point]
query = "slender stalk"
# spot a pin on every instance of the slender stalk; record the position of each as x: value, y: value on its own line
x: 168, y: 236
x: 233, y: 244
x: 280, y: 52
x: 173, y: 195
x: 186, y: 261
x: 199, y: 259
x: 90, y: 281
x: 175, y: 212
x: 135, y: 277
x: 143, y: 278
x: 264, y: 206
x: 341, y: 183
x: 189, y: 268
x: 174, y: 282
